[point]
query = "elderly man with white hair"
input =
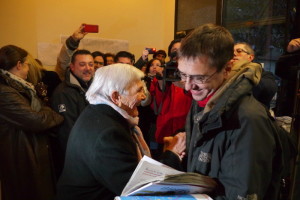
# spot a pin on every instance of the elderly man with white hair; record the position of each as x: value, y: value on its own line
x: 105, y: 144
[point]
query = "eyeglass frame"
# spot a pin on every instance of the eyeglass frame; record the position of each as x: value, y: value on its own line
x: 98, y: 63
x: 239, y: 50
x: 193, y: 79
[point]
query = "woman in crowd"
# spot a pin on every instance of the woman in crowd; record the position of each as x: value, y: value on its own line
x: 147, y: 117
x: 44, y: 81
x: 105, y: 144
x: 25, y: 169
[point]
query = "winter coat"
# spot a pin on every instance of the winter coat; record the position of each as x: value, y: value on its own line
x: 69, y: 100
x: 101, y: 156
x: 25, y: 168
x: 235, y: 140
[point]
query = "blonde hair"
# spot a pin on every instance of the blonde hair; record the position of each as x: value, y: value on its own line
x: 35, y: 71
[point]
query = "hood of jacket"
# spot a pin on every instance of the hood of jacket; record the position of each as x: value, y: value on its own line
x: 242, y: 78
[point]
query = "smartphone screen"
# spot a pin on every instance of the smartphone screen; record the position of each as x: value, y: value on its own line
x: 91, y: 28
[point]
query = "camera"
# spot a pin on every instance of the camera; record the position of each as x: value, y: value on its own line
x: 151, y: 50
x: 170, y: 71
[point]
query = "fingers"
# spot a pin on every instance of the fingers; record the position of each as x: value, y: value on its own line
x: 177, y: 144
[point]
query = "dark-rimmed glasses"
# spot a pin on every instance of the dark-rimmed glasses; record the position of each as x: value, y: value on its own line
x: 198, y: 79
x: 239, y: 51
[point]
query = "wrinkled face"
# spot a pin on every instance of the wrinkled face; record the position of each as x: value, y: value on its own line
x: 83, y: 67
x: 133, y: 97
x: 98, y: 62
x: 124, y: 60
x: 109, y: 60
x: 200, y: 78
x: 155, y: 67
x: 240, y: 53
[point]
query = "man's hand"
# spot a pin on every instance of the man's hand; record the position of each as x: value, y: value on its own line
x: 176, y: 144
x: 293, y: 45
x: 79, y: 33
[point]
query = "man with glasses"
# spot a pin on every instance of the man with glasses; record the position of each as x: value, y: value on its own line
x: 230, y: 135
x: 69, y: 100
x: 267, y: 87
x: 99, y: 59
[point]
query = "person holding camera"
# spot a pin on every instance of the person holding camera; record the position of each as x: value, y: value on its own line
x: 170, y: 102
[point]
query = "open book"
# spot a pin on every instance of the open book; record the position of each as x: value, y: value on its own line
x: 154, y: 178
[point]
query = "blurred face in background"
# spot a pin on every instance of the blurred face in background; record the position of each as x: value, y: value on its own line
x: 155, y: 67
x: 109, y: 60
x: 124, y: 60
x: 98, y: 62
x: 241, y: 53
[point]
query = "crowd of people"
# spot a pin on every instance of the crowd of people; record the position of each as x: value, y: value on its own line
x: 79, y: 132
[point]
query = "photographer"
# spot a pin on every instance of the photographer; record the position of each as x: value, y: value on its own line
x: 170, y: 103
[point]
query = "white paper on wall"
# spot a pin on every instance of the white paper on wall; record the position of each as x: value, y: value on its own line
x: 48, y: 52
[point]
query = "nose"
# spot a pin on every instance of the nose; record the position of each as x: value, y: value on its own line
x: 188, y: 84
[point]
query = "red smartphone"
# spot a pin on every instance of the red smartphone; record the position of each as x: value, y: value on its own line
x: 90, y: 28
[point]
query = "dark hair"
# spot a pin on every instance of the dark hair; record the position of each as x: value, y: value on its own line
x: 149, y: 65
x: 10, y: 55
x: 171, y: 45
x: 80, y: 52
x: 160, y: 52
x: 99, y: 53
x: 125, y: 54
x: 209, y: 40
x: 110, y: 55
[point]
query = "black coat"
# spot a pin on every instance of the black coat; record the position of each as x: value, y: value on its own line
x: 101, y: 156
x: 25, y: 168
x: 68, y: 99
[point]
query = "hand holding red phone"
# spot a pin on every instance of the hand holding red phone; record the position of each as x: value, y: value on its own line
x: 79, y: 33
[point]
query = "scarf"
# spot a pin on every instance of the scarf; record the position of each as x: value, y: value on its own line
x: 20, y: 84
x: 239, y: 70
x: 137, y: 135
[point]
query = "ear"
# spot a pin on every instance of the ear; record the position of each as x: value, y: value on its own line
x: 19, y: 65
x: 72, y: 67
x: 251, y: 58
x: 116, y: 98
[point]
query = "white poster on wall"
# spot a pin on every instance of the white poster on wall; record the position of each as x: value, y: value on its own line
x: 48, y: 52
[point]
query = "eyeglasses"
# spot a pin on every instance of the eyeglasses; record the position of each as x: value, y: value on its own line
x: 99, y: 63
x: 198, y: 79
x: 239, y: 51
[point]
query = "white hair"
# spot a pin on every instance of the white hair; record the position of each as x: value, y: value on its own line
x: 116, y: 77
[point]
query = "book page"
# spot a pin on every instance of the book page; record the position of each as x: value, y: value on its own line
x: 148, y: 170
